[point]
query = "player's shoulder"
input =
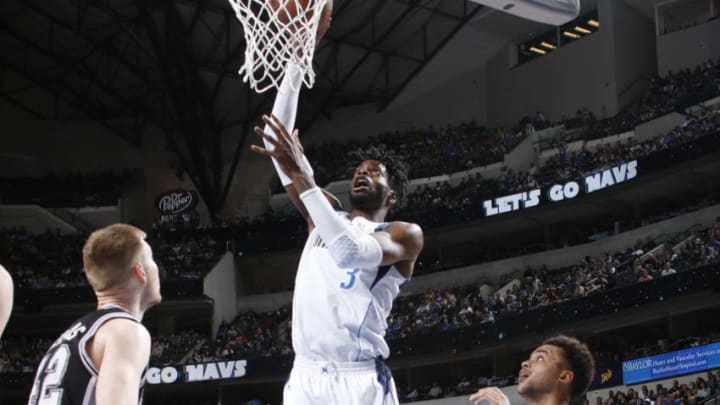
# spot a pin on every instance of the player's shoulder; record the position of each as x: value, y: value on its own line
x: 123, y: 330
x: 120, y: 342
x: 5, y: 277
x: 408, y: 233
x: 410, y: 228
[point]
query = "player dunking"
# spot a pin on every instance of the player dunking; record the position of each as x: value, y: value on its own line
x: 351, y: 269
x: 101, y: 359
x: 6, y: 298
x: 559, y: 370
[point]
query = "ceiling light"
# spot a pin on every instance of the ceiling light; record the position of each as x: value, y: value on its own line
x: 537, y: 50
x: 571, y: 35
x: 583, y: 30
x: 547, y: 45
x: 594, y: 23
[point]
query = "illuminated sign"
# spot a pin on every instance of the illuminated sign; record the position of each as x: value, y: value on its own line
x: 666, y: 365
x: 220, y: 370
x: 560, y: 192
x: 176, y: 202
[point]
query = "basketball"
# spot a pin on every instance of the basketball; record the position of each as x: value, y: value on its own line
x: 288, y: 10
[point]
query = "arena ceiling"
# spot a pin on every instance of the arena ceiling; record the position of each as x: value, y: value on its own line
x: 171, y: 65
x: 133, y: 63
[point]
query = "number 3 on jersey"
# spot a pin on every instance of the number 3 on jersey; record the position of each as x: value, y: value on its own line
x: 49, y: 392
x: 350, y: 283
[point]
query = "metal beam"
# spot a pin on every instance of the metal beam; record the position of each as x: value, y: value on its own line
x: 434, y: 11
x: 371, y: 48
x: 69, y: 65
x: 17, y: 103
x: 329, y: 99
x: 77, y: 102
x: 432, y: 55
x: 197, y: 124
x: 379, y: 5
x: 105, y: 44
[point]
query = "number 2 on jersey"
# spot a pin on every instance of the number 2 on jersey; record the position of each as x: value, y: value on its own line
x: 50, y: 391
x: 350, y: 283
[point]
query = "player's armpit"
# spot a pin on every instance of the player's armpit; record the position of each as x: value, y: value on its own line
x: 124, y: 349
x: 400, y: 241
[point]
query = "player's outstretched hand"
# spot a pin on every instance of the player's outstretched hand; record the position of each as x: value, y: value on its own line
x: 284, y: 147
x: 490, y: 396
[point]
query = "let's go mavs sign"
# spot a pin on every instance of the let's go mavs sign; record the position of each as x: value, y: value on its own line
x: 220, y: 370
x: 597, y: 181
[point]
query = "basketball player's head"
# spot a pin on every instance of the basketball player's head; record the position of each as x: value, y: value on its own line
x: 118, y: 261
x: 560, y: 368
x: 378, y: 182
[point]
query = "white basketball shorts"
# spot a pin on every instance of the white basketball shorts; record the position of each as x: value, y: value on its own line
x: 330, y: 383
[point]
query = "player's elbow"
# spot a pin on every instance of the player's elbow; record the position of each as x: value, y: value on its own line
x: 352, y: 251
x: 345, y: 262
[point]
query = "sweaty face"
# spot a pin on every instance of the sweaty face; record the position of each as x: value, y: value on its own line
x: 369, y: 186
x: 540, y: 373
x: 151, y: 295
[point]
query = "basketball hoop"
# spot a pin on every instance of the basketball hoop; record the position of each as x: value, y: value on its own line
x: 279, y: 33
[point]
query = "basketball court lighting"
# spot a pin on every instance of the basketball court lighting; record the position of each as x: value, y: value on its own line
x: 537, y: 50
x: 582, y: 29
x: 571, y: 35
x: 547, y: 45
x: 594, y: 23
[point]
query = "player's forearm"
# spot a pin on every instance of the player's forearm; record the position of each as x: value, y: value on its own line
x: 348, y: 247
x: 302, y: 181
x: 285, y: 109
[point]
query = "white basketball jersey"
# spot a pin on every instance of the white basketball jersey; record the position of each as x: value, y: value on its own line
x: 339, y: 314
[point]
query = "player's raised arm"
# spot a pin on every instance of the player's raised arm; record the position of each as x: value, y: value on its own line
x: 284, y: 112
x: 6, y: 298
x: 272, y: 125
x: 121, y: 349
x: 349, y: 247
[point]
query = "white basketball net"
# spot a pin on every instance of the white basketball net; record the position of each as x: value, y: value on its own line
x: 274, y: 41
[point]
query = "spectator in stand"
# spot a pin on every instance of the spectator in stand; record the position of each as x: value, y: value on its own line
x: 667, y: 269
x: 712, y: 382
x: 444, y: 203
x: 436, y: 391
x: 644, y: 275
x: 540, y: 122
x: 52, y: 260
x: 676, y: 91
x: 66, y: 190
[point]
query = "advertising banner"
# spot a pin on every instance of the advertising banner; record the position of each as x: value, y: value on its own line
x: 667, y: 365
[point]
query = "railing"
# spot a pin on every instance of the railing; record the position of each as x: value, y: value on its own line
x: 713, y: 400
x: 74, y: 220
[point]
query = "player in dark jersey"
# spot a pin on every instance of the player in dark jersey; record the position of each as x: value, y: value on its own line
x: 6, y: 298
x: 558, y: 371
x: 101, y: 359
